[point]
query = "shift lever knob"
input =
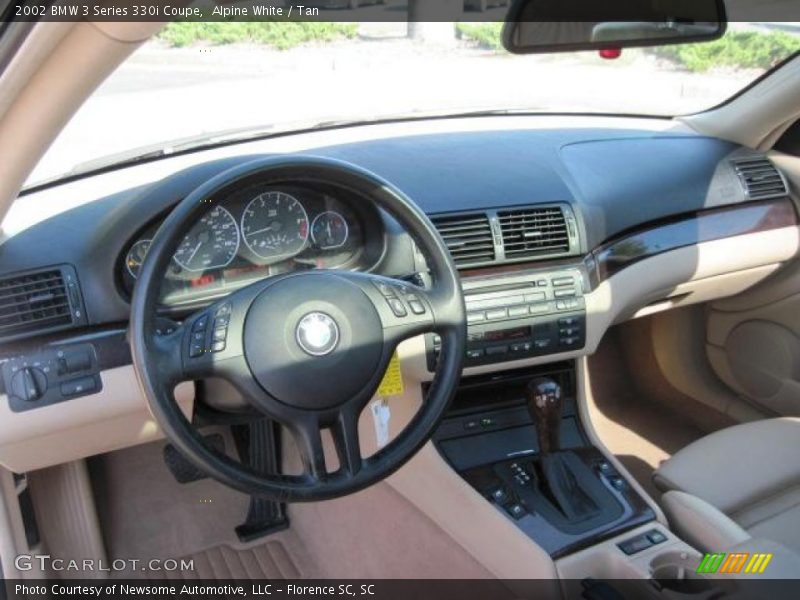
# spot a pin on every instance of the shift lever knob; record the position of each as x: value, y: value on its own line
x: 544, y: 403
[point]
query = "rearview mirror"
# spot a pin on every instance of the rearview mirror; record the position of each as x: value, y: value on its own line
x: 539, y: 26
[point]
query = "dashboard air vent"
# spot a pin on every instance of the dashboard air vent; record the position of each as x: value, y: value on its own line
x: 37, y: 302
x: 468, y: 237
x: 760, y: 178
x: 534, y: 232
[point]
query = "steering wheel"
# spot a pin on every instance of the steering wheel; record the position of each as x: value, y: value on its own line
x: 306, y: 349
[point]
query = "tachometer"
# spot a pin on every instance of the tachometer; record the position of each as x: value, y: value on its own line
x: 211, y: 244
x: 275, y: 225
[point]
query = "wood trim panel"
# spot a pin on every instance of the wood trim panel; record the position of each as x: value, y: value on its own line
x: 705, y: 226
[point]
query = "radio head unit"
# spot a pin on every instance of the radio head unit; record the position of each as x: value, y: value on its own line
x: 544, y: 313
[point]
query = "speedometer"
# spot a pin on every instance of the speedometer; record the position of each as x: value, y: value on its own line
x: 275, y: 225
x: 211, y: 244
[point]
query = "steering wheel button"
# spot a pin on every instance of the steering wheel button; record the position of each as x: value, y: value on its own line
x: 397, y: 306
x: 416, y: 307
x: 223, y: 311
x: 385, y: 289
x: 220, y: 334
x: 201, y: 323
x: 218, y: 346
x: 195, y: 349
x: 221, y: 322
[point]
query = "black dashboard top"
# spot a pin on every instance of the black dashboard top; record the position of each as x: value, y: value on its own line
x: 615, y: 180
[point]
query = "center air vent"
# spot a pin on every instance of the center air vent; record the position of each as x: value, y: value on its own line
x: 468, y: 237
x: 760, y: 178
x: 534, y: 232
x: 38, y: 302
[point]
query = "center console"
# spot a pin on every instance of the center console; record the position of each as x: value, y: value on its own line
x: 516, y: 438
x: 534, y: 315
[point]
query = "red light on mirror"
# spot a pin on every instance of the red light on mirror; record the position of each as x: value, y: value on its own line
x: 610, y: 53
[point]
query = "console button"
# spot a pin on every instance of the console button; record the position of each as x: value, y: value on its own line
x: 604, y: 467
x: 568, y: 331
x: 542, y: 283
x: 568, y: 321
x: 475, y: 353
x: 476, y: 317
x: 569, y: 341
x: 470, y: 425
x: 74, y: 361
x: 542, y: 344
x: 634, y: 545
x: 563, y: 281
x: 496, y: 350
x: 656, y: 536
x: 499, y: 495
x: 521, y: 347
x: 397, y: 306
x: 518, y: 311
x: 564, y: 293
x: 617, y: 482
x: 538, y: 309
x: 516, y: 510
x: 537, y: 297
x: 84, y: 385
x: 499, y: 313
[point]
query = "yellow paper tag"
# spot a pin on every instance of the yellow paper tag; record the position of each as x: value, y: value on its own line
x: 392, y: 384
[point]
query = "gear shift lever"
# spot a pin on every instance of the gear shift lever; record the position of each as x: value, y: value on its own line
x: 561, y: 471
x: 544, y: 403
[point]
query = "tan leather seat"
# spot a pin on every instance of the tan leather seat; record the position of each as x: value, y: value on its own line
x: 735, y: 484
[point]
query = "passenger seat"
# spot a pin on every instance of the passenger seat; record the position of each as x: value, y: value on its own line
x: 734, y: 485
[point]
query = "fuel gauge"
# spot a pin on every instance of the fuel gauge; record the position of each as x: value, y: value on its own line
x: 329, y: 230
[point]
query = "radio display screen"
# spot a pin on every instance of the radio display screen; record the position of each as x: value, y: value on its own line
x: 503, y: 335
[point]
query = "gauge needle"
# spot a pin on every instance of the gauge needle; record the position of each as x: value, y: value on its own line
x: 274, y: 226
x: 200, y: 243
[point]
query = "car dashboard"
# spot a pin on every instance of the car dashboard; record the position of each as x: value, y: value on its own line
x: 559, y: 227
x: 260, y: 231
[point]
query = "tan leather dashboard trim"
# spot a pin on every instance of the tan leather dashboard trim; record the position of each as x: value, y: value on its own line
x: 116, y: 417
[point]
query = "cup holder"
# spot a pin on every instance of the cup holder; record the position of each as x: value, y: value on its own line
x: 675, y: 571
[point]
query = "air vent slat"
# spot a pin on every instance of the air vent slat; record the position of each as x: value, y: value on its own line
x: 32, y: 302
x: 468, y: 238
x: 534, y: 232
x: 760, y: 178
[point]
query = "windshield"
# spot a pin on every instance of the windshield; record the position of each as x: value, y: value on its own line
x: 196, y: 79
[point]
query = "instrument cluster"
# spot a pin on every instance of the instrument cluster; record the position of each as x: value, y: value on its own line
x: 262, y: 231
